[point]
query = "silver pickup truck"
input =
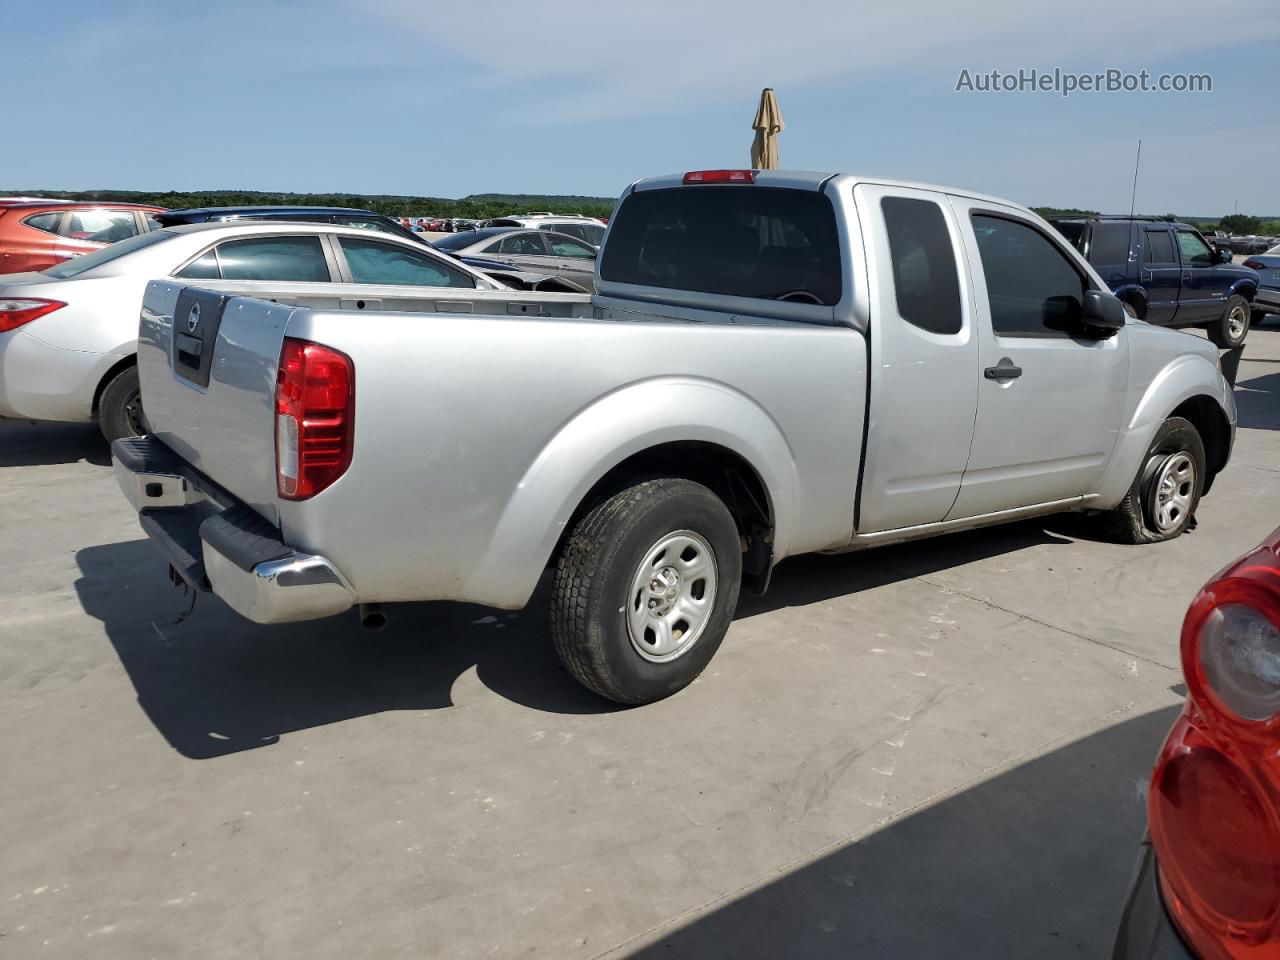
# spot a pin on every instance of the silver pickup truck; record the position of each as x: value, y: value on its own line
x: 775, y: 363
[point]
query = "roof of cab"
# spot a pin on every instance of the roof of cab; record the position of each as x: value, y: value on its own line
x: 815, y: 180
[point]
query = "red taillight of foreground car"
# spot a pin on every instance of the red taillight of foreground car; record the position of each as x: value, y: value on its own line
x: 1214, y: 805
x: 1253, y: 264
x: 315, y: 418
x: 14, y: 312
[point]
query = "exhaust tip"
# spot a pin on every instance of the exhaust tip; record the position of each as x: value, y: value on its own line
x: 371, y: 617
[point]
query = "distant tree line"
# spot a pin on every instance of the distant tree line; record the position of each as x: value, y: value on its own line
x: 479, y: 206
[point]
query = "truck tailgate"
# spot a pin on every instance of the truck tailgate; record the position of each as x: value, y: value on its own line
x: 207, y: 366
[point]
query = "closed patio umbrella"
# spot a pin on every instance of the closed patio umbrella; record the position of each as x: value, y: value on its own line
x: 768, y: 124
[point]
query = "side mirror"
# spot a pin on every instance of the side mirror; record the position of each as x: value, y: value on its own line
x: 1224, y: 256
x: 1102, y: 313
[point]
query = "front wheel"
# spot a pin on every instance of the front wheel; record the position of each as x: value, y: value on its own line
x: 120, y: 407
x: 645, y: 590
x: 1161, y: 503
x: 1229, y: 330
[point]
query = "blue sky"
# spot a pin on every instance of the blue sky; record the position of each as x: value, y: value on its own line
x: 446, y: 99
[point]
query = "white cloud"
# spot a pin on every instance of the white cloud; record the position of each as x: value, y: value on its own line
x: 605, y: 57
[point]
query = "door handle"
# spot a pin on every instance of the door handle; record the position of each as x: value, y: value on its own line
x: 1004, y: 370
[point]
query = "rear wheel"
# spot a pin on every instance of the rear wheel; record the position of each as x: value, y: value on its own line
x: 645, y: 590
x: 1230, y: 329
x: 1161, y: 503
x: 120, y: 407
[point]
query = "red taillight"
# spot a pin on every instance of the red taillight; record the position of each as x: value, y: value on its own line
x: 720, y: 176
x: 1253, y: 264
x: 315, y: 418
x: 1214, y: 804
x: 14, y: 312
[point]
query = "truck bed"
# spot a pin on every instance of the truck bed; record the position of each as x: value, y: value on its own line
x: 465, y: 425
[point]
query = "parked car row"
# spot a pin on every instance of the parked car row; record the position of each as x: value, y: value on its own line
x: 1168, y: 273
x: 1249, y: 244
x: 68, y: 336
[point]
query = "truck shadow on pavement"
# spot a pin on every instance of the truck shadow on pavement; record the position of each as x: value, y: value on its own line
x: 1035, y: 862
x: 1258, y: 402
x: 26, y: 444
x: 217, y: 684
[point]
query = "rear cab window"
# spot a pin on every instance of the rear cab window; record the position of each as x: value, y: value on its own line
x: 761, y: 243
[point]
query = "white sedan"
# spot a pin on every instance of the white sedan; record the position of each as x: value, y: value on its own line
x: 68, y: 336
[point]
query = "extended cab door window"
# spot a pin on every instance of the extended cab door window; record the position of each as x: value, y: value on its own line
x: 923, y: 357
x: 372, y: 261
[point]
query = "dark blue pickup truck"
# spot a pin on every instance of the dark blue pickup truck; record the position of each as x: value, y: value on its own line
x: 1167, y: 273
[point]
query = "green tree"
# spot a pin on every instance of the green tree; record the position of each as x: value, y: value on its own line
x: 1240, y: 223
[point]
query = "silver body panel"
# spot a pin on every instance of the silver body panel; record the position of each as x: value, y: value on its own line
x: 477, y: 437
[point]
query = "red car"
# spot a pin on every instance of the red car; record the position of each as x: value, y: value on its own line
x: 1208, y: 883
x: 36, y: 234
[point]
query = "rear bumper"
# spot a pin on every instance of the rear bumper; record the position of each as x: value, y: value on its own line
x: 217, y: 544
x: 1146, y: 932
x: 41, y: 382
x: 1267, y: 298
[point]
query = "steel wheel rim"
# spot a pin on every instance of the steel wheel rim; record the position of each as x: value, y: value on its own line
x: 1172, y: 491
x: 1237, y: 322
x: 133, y: 415
x: 672, y: 596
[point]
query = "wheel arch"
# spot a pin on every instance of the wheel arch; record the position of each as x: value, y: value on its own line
x: 725, y: 472
x: 112, y: 372
x: 698, y: 429
x: 1244, y: 287
x: 1135, y: 295
x: 1188, y: 385
x: 1210, y: 421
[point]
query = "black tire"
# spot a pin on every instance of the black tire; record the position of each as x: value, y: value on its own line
x: 120, y: 407
x: 1229, y: 330
x: 602, y: 561
x: 1257, y: 317
x: 1135, y: 519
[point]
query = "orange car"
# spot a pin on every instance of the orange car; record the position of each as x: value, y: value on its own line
x: 36, y: 234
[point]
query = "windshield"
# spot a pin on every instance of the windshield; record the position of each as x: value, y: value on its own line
x: 78, y: 265
x: 767, y: 243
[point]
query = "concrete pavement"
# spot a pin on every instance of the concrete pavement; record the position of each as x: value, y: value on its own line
x: 936, y: 749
